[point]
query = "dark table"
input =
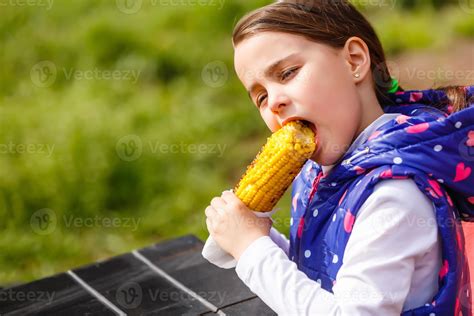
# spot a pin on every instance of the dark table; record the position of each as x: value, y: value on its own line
x: 169, y: 278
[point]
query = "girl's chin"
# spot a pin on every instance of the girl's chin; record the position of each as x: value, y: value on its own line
x: 316, y: 157
x: 318, y: 153
x: 323, y: 159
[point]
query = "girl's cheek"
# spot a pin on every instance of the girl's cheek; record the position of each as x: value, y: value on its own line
x: 270, y: 121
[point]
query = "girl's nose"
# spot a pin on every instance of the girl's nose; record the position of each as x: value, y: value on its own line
x: 277, y: 102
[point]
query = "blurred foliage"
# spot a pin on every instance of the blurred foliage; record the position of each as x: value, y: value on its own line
x: 66, y: 124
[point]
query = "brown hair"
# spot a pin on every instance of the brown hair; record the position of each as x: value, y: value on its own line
x: 330, y: 22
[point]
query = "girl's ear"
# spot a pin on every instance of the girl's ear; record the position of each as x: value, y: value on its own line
x: 357, y: 55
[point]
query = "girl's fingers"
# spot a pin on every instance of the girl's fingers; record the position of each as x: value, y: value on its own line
x: 218, y: 203
x: 230, y: 197
x: 208, y: 223
x: 210, y: 211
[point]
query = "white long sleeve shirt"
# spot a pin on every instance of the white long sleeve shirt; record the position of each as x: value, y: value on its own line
x: 391, y: 260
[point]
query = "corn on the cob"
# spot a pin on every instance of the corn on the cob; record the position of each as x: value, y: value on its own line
x: 275, y: 166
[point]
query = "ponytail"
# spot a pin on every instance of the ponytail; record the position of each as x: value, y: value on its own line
x: 457, y: 96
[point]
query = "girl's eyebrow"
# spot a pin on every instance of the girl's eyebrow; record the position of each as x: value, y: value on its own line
x: 270, y: 70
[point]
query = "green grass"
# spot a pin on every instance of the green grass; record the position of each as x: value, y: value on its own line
x: 87, y: 123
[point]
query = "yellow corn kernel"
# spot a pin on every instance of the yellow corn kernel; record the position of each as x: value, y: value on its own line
x: 275, y: 167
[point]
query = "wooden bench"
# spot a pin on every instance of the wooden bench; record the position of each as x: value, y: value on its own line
x: 169, y: 278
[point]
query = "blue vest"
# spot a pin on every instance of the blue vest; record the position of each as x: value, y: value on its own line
x: 426, y: 144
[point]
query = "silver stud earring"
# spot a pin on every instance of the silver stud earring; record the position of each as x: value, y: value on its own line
x: 357, y: 75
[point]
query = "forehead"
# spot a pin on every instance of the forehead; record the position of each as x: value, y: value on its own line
x: 254, y: 54
x: 264, y: 48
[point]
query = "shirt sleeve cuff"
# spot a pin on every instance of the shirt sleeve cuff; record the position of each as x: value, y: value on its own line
x: 253, y: 256
x: 280, y: 240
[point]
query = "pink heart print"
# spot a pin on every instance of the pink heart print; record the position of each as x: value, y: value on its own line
x: 348, y: 221
x: 419, y: 128
x: 470, y: 139
x: 374, y: 135
x: 359, y: 169
x: 462, y: 172
x: 416, y: 96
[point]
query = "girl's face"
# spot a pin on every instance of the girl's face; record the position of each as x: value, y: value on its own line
x: 289, y: 77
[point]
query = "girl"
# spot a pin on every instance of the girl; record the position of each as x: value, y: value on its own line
x: 375, y: 216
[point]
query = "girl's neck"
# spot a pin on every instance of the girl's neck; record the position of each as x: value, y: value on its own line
x: 371, y: 109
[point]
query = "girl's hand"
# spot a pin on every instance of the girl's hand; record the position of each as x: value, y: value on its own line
x: 233, y: 225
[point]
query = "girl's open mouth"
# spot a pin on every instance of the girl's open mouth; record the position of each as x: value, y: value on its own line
x: 312, y: 126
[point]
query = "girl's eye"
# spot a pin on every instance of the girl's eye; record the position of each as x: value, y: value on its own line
x: 288, y: 73
x: 260, y: 99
